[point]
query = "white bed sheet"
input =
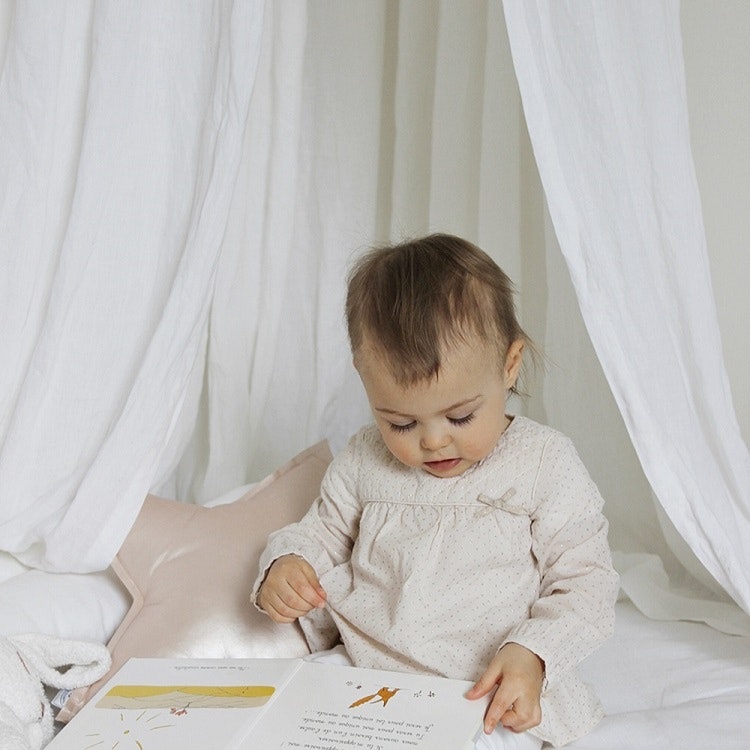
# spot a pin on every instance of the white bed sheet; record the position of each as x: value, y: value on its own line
x: 665, y: 685
x: 670, y: 686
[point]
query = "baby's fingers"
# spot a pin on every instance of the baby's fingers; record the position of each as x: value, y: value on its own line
x: 484, y: 685
x: 304, y: 584
x: 522, y: 714
x: 291, y: 589
x: 500, y: 711
x: 283, y: 607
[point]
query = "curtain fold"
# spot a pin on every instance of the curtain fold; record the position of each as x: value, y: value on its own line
x: 277, y: 374
x: 602, y: 85
x: 122, y: 126
x: 353, y: 138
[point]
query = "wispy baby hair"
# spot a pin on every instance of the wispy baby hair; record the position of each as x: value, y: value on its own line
x: 414, y: 300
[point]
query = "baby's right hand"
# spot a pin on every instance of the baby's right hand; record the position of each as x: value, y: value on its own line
x: 291, y: 589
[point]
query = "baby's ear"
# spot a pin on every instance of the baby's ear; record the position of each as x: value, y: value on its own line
x: 513, y: 361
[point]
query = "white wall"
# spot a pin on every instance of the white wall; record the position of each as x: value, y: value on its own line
x: 716, y: 42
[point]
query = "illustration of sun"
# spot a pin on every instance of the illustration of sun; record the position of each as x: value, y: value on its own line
x: 132, y: 734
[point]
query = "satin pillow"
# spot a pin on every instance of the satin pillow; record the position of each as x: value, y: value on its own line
x: 190, y: 569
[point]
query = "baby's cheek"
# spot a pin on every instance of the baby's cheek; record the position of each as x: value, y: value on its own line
x: 476, y: 450
x: 400, y: 447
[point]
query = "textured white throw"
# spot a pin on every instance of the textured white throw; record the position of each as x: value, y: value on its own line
x: 28, y: 663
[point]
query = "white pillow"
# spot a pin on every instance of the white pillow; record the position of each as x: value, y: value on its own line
x: 69, y: 605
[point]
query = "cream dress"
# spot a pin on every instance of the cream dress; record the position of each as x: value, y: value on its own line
x: 433, y: 575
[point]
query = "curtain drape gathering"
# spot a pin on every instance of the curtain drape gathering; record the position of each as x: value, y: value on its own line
x: 122, y: 125
x: 604, y: 95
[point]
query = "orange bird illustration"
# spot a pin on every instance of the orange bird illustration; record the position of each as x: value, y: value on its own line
x: 384, y: 695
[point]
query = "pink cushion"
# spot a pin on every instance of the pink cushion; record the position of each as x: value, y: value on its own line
x: 190, y: 568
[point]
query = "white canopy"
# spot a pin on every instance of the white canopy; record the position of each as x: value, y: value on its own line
x: 184, y: 187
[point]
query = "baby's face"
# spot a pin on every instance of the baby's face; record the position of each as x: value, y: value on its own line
x: 447, y: 424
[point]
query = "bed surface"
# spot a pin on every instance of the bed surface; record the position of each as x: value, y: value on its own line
x: 669, y: 686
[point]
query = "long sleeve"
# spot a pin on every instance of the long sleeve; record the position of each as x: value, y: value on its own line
x: 574, y: 611
x: 325, y: 535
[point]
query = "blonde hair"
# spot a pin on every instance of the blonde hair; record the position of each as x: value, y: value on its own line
x: 414, y: 300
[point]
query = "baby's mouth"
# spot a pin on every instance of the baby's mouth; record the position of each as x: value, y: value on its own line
x: 442, y: 466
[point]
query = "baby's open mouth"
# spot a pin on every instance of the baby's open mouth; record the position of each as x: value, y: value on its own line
x: 444, y: 465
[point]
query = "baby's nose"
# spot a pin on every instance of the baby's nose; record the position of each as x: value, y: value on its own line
x: 434, y: 439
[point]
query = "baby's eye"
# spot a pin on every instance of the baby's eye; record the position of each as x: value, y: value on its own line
x: 461, y: 420
x: 401, y: 427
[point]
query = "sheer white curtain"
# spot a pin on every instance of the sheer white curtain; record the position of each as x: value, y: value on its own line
x: 121, y: 125
x: 369, y: 121
x: 604, y: 95
x: 245, y: 371
x: 276, y: 376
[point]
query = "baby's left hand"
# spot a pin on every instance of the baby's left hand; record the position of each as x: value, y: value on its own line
x: 518, y: 674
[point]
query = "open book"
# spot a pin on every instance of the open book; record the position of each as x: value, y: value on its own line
x: 265, y: 704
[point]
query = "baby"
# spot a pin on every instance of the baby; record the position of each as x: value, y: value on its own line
x: 450, y: 538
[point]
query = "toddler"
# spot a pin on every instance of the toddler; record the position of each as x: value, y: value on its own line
x: 451, y: 538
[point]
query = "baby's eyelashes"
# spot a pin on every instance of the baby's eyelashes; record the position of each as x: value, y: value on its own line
x: 456, y: 421
x: 402, y: 427
x: 461, y: 420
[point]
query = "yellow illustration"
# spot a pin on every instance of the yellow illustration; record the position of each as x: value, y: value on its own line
x: 132, y: 732
x: 186, y: 696
x: 384, y: 695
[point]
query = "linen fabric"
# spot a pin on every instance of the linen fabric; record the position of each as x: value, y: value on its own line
x: 434, y: 575
x: 603, y: 90
x: 122, y: 128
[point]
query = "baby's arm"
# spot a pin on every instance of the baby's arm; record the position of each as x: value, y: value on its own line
x: 290, y: 590
x: 518, y: 674
x: 310, y: 548
x: 575, y: 608
x: 574, y: 611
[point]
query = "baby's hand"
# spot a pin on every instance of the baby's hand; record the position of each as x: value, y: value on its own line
x: 291, y: 589
x: 518, y: 674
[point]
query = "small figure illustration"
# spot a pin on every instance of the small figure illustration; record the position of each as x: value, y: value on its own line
x: 384, y: 695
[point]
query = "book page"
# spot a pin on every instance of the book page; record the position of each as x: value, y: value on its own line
x: 330, y: 707
x: 173, y: 704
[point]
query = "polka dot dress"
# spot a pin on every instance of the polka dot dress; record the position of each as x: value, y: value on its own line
x: 433, y: 575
